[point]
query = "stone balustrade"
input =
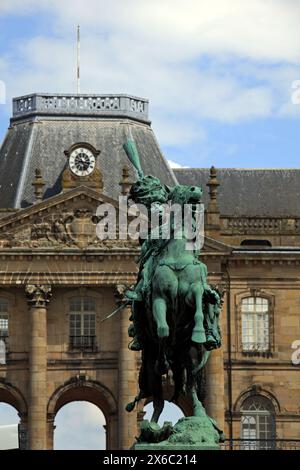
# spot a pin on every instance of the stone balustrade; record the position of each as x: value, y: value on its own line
x: 91, y: 105
x: 260, y: 225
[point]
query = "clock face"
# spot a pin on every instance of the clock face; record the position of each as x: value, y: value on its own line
x: 82, y: 162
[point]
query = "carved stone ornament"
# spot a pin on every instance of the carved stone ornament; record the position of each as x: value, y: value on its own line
x: 38, y: 296
x: 74, y: 228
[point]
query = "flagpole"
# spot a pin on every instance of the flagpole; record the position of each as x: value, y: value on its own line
x: 78, y: 60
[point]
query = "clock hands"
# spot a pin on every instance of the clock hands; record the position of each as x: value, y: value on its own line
x: 82, y: 161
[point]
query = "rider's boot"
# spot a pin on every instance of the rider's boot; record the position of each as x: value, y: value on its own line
x: 131, y: 331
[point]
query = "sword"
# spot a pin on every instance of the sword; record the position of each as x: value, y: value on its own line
x: 116, y: 311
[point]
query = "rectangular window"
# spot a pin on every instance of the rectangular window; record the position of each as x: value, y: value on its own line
x: 82, y: 323
x: 255, y: 324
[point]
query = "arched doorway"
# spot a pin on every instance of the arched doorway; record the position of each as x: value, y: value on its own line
x: 80, y: 425
x: 93, y: 402
x: 171, y: 412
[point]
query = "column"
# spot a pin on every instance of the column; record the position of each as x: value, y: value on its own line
x: 214, y: 392
x: 128, y: 378
x: 38, y: 297
x: 214, y: 374
x: 50, y: 430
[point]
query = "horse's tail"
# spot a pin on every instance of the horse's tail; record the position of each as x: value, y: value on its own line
x: 202, y: 363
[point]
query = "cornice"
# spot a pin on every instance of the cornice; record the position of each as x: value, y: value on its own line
x: 72, y: 278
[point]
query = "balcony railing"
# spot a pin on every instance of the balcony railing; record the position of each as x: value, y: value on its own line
x: 252, y: 346
x: 83, y: 343
x: 256, y: 349
x: 261, y: 444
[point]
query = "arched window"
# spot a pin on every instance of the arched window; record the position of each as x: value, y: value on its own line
x: 258, y: 424
x: 82, y: 312
x: 255, y: 324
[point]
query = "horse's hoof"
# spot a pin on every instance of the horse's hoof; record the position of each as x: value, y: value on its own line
x: 163, y: 331
x: 199, y: 337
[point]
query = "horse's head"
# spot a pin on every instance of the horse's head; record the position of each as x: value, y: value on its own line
x: 182, y: 194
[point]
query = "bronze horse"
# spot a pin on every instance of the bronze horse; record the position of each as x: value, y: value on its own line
x: 177, y: 321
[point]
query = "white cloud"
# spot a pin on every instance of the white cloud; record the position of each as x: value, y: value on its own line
x: 173, y: 130
x: 79, y: 426
x: 17, y: 6
x: 9, y: 437
x: 176, y: 165
x: 194, y: 59
x: 267, y: 30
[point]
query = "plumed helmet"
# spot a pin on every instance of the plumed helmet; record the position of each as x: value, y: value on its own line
x: 149, y: 189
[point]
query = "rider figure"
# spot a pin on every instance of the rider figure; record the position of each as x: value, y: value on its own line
x: 149, y: 191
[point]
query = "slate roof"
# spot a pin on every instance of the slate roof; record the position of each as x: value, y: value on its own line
x: 40, y: 141
x: 250, y: 192
x: 43, y: 126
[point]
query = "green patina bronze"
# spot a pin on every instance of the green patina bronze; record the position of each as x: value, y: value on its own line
x: 175, y: 315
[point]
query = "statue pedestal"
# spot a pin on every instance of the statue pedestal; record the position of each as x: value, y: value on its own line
x: 174, y: 447
x: 192, y: 433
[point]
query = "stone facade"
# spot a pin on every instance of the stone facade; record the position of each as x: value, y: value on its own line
x: 50, y: 256
x: 42, y: 369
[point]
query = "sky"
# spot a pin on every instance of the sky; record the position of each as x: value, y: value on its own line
x: 221, y: 77
x: 219, y: 74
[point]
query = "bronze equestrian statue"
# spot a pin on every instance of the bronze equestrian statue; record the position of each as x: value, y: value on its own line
x: 175, y: 312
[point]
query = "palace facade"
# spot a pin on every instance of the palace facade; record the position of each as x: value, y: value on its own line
x: 61, y: 158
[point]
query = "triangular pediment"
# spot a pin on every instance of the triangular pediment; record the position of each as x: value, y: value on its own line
x: 65, y: 220
x: 212, y: 246
x: 68, y: 220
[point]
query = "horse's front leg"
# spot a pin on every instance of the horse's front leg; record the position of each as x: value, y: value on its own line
x: 198, y: 335
x: 160, y: 317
